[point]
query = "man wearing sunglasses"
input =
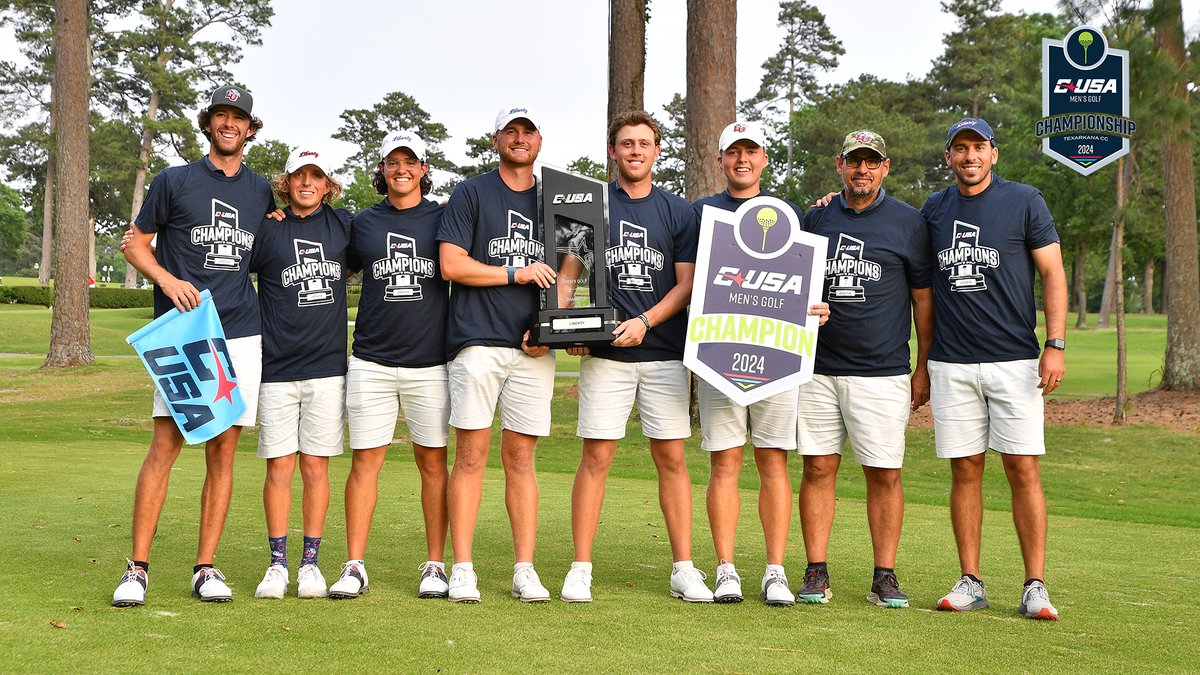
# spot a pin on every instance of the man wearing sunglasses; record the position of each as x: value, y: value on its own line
x: 878, y: 272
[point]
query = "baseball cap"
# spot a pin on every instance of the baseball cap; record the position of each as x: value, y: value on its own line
x: 864, y: 138
x: 306, y: 154
x: 975, y: 124
x: 232, y: 96
x: 749, y: 131
x: 507, y: 115
x: 404, y: 138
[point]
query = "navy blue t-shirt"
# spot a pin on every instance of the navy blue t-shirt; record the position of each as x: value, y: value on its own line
x: 495, y: 225
x: 983, y: 284
x: 646, y: 237
x: 875, y: 257
x: 206, y: 223
x: 301, y: 266
x: 402, y: 311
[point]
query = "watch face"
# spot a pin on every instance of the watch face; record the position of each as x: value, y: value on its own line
x: 1057, y: 343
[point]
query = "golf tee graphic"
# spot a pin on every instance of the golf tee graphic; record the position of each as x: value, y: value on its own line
x: 749, y: 333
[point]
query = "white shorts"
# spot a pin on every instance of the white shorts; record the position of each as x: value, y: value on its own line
x: 246, y: 353
x: 871, y: 411
x: 482, y: 377
x: 608, y: 388
x: 977, y: 406
x: 305, y: 416
x: 375, y: 395
x: 771, y: 422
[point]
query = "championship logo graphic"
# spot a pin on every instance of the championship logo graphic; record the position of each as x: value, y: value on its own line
x: 635, y: 258
x: 313, y: 273
x: 186, y: 356
x: 224, y: 239
x: 520, y: 247
x: 1085, y: 101
x: 848, y: 270
x: 749, y: 333
x: 403, y: 269
x: 965, y: 258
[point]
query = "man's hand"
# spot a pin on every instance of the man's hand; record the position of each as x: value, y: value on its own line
x: 630, y: 333
x: 820, y: 309
x: 536, y: 351
x: 125, y: 238
x: 182, y: 293
x: 276, y: 215
x: 578, y: 350
x: 823, y: 201
x: 535, y: 272
x: 1051, y: 368
x: 920, y: 388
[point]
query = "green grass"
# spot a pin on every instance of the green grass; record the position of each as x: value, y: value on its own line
x: 1124, y: 532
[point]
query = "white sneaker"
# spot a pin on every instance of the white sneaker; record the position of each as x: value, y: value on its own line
x: 274, y: 583
x: 463, y: 586
x: 433, y: 581
x: 729, y: 584
x: 966, y: 595
x: 528, y: 587
x: 688, y: 584
x: 209, y: 585
x: 310, y: 583
x: 1035, y: 603
x: 131, y: 590
x: 352, y: 582
x: 775, y: 591
x: 577, y: 587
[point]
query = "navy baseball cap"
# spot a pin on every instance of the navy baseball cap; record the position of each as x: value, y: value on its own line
x: 234, y: 97
x: 976, y: 124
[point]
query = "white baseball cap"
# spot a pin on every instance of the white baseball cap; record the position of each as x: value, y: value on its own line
x: 306, y: 154
x: 507, y: 115
x: 404, y: 138
x: 738, y: 131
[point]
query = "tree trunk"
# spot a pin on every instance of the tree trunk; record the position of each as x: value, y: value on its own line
x: 711, y: 96
x: 1123, y: 168
x: 143, y: 167
x: 1106, y: 298
x: 1079, y: 280
x: 1148, y: 286
x: 1181, y: 369
x: 626, y: 60
x: 69, y: 329
x: 48, y: 207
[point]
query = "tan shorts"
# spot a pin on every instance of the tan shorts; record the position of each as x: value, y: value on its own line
x: 302, y: 416
x: 977, y: 406
x: 769, y: 423
x: 375, y: 395
x: 483, y: 377
x: 246, y: 353
x: 608, y: 388
x: 872, y: 412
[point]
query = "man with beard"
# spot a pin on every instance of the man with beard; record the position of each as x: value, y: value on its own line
x: 492, y: 253
x: 219, y: 204
x: 988, y: 236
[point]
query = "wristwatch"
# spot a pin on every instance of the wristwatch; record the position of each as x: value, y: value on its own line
x: 1056, y: 343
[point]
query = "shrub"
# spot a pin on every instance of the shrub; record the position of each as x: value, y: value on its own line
x: 120, y: 298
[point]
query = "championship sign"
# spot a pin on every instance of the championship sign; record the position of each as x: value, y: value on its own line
x: 749, y: 333
x: 186, y: 356
x: 1085, y: 101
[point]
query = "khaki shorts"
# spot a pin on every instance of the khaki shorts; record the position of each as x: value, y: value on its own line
x: 375, y: 395
x: 246, y: 353
x: 608, y: 388
x: 483, y: 377
x: 302, y: 416
x: 769, y: 423
x: 872, y: 412
x: 977, y: 406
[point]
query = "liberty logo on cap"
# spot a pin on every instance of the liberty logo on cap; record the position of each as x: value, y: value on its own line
x: 233, y: 94
x: 739, y: 128
x: 309, y: 153
x: 864, y: 137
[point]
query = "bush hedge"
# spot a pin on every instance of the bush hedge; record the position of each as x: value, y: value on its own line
x: 98, y: 298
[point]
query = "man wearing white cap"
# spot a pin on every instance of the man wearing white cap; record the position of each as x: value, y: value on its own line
x: 491, y: 250
x: 206, y: 215
x: 301, y: 266
x: 399, y: 359
x: 769, y: 425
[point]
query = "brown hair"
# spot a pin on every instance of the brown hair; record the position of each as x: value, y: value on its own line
x: 204, y: 119
x: 380, y: 183
x: 283, y: 191
x: 633, y: 118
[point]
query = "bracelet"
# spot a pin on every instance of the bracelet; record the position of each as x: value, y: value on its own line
x: 512, y: 276
x: 644, y: 320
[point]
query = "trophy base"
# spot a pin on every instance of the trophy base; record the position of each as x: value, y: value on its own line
x: 576, y: 327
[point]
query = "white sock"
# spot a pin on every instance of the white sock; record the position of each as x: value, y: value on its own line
x: 778, y: 569
x: 468, y: 565
x: 522, y: 566
x: 581, y: 566
x: 682, y: 565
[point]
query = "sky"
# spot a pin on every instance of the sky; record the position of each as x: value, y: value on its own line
x: 463, y: 60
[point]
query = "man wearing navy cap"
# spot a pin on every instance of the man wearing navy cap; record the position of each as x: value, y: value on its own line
x: 206, y: 215
x: 988, y: 373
